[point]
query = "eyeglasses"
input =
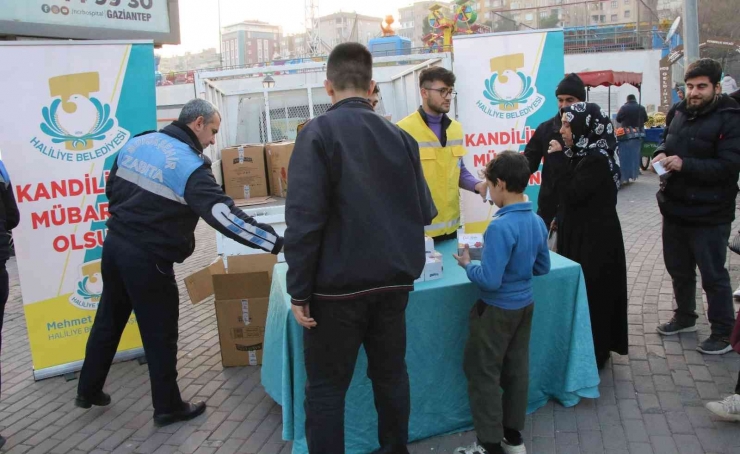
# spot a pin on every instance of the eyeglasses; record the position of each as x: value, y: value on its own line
x: 445, y: 92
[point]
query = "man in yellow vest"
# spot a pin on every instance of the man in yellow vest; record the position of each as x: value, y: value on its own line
x: 441, y: 151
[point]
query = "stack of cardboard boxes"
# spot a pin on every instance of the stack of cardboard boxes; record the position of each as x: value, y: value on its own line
x: 241, y: 285
x: 242, y: 295
x: 252, y: 171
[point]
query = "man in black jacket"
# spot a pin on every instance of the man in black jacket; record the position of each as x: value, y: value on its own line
x: 632, y: 114
x: 546, y: 147
x: 9, y: 218
x: 354, y: 246
x: 159, y: 187
x: 701, y: 152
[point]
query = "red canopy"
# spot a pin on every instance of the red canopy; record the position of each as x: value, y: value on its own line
x: 609, y: 78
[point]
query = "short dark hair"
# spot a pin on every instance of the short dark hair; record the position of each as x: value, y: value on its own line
x: 631, y: 98
x: 436, y: 73
x: 510, y: 167
x: 350, y: 66
x: 704, y: 67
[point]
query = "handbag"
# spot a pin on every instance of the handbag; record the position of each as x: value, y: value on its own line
x: 552, y: 240
x: 734, y: 244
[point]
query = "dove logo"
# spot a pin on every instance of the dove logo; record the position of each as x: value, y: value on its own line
x: 509, y: 92
x: 89, y: 287
x: 79, y: 121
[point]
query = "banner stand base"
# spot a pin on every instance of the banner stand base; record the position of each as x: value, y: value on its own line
x: 69, y: 369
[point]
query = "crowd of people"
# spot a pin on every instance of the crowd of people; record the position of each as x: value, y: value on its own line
x: 361, y: 176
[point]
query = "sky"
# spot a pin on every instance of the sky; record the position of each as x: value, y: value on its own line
x: 199, y: 23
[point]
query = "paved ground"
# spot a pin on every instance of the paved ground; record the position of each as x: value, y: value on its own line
x: 652, y: 400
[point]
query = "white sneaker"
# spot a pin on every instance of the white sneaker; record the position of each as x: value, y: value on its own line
x: 737, y: 293
x: 475, y: 448
x: 513, y: 449
x: 728, y: 409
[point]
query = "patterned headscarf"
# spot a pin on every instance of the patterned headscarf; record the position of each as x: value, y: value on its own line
x: 593, y: 134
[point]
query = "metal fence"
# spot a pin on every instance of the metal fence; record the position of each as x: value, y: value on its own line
x: 590, y: 40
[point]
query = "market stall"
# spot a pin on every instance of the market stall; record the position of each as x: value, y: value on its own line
x: 562, y: 364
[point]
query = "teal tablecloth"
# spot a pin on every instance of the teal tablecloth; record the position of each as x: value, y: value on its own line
x: 562, y: 364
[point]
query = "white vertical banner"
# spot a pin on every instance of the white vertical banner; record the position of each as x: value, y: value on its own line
x: 506, y: 87
x: 72, y: 106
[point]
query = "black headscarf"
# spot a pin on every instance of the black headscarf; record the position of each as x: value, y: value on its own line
x: 593, y: 134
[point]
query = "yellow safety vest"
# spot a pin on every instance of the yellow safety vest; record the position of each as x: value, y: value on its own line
x: 441, y: 167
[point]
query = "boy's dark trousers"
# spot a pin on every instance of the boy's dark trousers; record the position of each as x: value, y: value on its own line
x: 496, y: 359
x: 379, y: 323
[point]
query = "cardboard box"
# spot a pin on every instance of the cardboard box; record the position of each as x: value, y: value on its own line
x: 244, y: 171
x: 434, y: 268
x: 242, y: 295
x: 278, y: 158
x: 474, y: 242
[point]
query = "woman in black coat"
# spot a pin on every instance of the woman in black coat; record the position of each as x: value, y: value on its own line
x: 9, y: 218
x: 589, y: 231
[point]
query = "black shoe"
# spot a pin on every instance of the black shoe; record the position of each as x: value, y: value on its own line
x: 715, y: 345
x: 2, y: 441
x: 673, y: 327
x: 602, y: 359
x: 189, y: 411
x: 101, y: 400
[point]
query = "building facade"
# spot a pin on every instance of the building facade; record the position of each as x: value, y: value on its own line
x: 250, y: 42
x: 344, y: 27
x: 208, y: 58
x: 565, y: 13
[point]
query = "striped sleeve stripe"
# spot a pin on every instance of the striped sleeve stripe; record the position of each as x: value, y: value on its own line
x: 245, y: 230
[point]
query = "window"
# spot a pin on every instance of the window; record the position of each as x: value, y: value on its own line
x: 514, y: 5
x: 603, y: 18
x: 528, y: 17
x: 594, y: 19
x: 627, y: 14
x: 615, y: 17
x: 615, y: 4
x: 494, y: 3
x: 543, y: 14
x: 626, y: 2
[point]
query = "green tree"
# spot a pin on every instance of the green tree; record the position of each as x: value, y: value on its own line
x: 553, y: 21
x: 503, y: 22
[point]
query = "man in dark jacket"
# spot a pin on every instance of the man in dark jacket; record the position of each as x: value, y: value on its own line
x: 546, y: 147
x: 9, y: 218
x: 159, y: 187
x: 701, y: 152
x: 632, y: 115
x: 354, y: 246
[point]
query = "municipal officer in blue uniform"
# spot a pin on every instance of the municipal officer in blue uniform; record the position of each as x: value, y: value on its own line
x: 158, y: 188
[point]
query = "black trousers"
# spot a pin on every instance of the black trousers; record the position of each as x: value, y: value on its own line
x: 4, y: 291
x: 135, y: 279
x: 379, y: 323
x: 683, y: 249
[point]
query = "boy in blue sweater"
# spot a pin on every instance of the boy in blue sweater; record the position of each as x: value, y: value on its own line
x: 497, y: 353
